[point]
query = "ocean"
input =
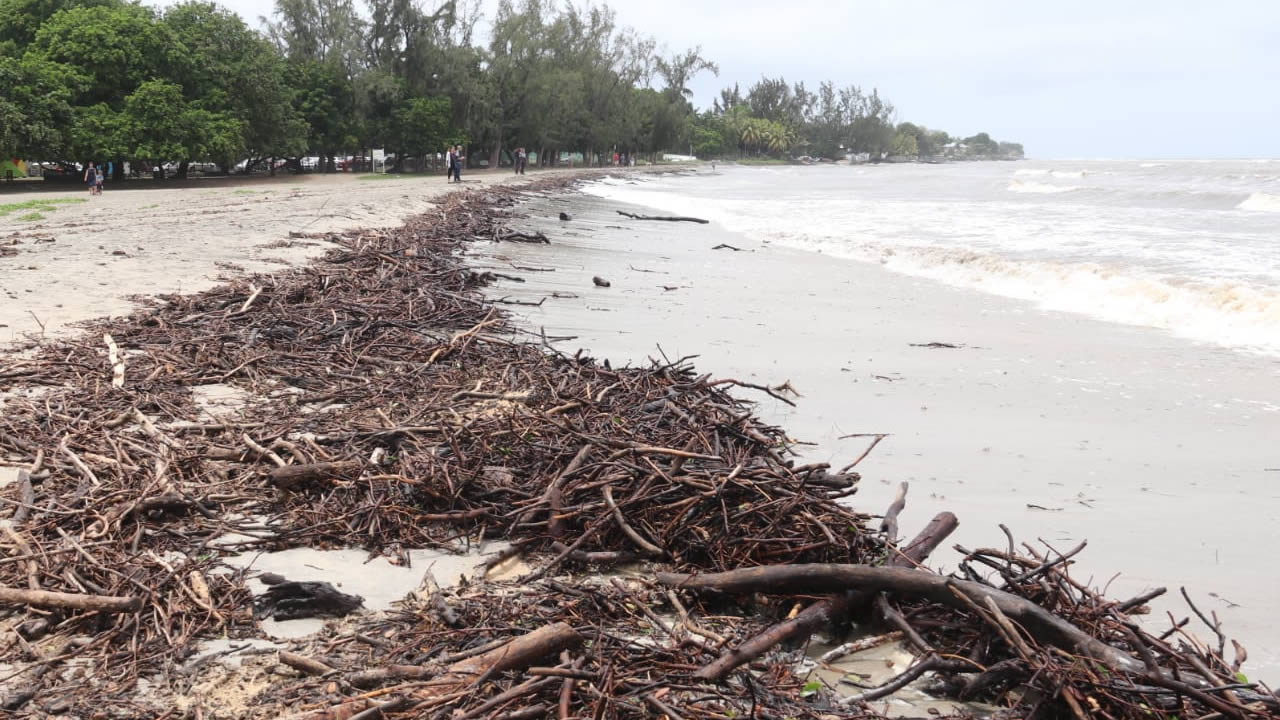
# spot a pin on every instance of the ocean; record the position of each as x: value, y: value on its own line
x: 1191, y: 247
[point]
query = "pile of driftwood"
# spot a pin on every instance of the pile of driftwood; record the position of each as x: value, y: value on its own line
x: 389, y: 408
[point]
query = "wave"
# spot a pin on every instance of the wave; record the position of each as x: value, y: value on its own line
x: 1037, y: 172
x: 1019, y: 186
x: 1224, y: 312
x: 1261, y: 202
x: 1201, y: 307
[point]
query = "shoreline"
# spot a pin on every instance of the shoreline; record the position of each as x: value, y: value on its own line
x: 410, y: 418
x: 87, y: 260
x: 1062, y: 427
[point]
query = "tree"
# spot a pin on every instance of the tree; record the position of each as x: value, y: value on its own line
x: 904, y: 144
x: 35, y: 108
x: 158, y: 124
x: 224, y: 66
x: 20, y: 20
x: 420, y: 126
x: 114, y: 49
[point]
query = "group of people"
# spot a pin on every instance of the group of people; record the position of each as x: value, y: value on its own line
x: 520, y: 160
x: 455, y: 159
x: 94, y: 177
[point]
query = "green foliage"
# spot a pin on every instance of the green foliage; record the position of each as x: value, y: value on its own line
x: 113, y: 49
x: 30, y: 217
x: 905, y: 144
x: 159, y: 124
x: 223, y: 66
x: 421, y: 125
x: 118, y: 80
x: 35, y: 107
x: 21, y: 19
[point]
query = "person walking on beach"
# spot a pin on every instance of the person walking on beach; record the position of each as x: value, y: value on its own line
x: 458, y: 159
x: 91, y: 179
x: 448, y: 163
x: 100, y: 177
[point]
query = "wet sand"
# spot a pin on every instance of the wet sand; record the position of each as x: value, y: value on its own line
x: 1160, y: 452
x: 85, y: 260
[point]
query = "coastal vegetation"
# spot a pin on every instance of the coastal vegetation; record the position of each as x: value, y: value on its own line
x: 111, y: 80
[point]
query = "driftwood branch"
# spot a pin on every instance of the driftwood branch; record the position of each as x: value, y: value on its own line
x: 69, y: 601
x: 811, y: 578
x: 668, y: 218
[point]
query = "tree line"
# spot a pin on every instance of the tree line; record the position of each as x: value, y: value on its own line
x: 115, y: 80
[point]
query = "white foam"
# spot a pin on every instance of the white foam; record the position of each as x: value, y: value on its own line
x: 1018, y: 186
x: 1261, y: 202
x: 1219, y: 312
x: 1200, y: 289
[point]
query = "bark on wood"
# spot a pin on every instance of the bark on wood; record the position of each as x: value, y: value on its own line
x: 667, y: 218
x: 807, y: 578
x: 828, y: 611
x: 289, y: 476
x: 70, y: 601
x: 520, y: 652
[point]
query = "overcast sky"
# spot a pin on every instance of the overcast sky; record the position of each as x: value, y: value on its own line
x: 1079, y: 78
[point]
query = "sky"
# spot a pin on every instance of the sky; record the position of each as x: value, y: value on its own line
x: 1081, y: 78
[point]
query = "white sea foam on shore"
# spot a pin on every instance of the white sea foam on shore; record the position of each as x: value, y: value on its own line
x: 1261, y: 202
x: 1019, y: 186
x: 1185, y: 247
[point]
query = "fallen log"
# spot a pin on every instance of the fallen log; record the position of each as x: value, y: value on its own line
x: 815, y: 577
x: 667, y: 218
x: 289, y: 476
x: 828, y: 611
x: 69, y: 601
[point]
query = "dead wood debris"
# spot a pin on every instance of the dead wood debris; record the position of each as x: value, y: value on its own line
x: 393, y: 408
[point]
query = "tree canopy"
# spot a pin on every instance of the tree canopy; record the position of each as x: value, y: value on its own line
x: 116, y: 80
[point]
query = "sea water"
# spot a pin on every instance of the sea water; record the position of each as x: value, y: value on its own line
x: 1191, y: 247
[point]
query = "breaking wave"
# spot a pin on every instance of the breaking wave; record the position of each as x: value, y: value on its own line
x: 1261, y: 202
x: 1225, y: 313
x: 1019, y: 186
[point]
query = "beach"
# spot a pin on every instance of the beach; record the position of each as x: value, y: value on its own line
x: 85, y: 260
x: 1156, y: 450
x: 365, y: 419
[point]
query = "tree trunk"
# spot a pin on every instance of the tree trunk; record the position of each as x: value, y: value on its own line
x: 182, y: 169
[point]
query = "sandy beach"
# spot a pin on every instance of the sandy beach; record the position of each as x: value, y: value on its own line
x: 391, y: 452
x: 85, y: 260
x: 1157, y: 451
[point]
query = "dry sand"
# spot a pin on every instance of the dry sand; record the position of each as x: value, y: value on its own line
x: 1064, y: 428
x: 141, y: 238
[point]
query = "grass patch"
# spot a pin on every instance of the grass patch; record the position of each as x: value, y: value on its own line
x: 380, y: 176
x: 37, y: 206
x: 765, y: 161
x: 245, y: 192
x: 30, y: 217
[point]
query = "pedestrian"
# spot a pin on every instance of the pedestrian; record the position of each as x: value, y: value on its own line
x: 524, y: 159
x: 91, y: 179
x: 458, y: 159
x: 100, y: 177
x: 449, y: 163
x: 515, y: 161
